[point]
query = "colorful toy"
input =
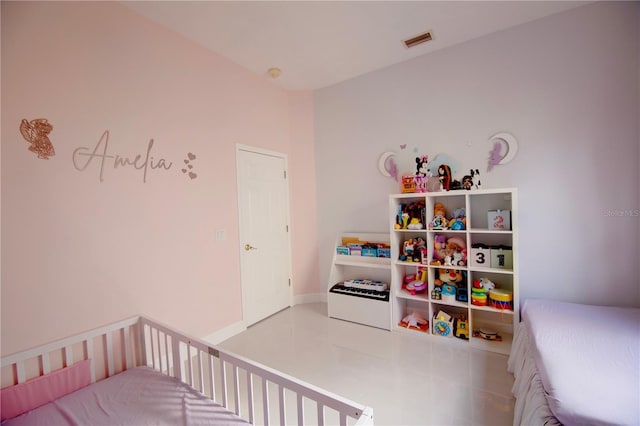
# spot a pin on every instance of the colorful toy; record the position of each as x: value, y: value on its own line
x: 420, y: 282
x: 501, y: 299
x: 413, y: 250
x: 443, y: 324
x: 408, y: 184
x: 467, y: 180
x: 479, y: 291
x: 462, y: 327
x: 444, y: 174
x: 458, y: 221
x: 451, y: 252
x: 451, y: 276
x: 415, y: 320
x: 448, y: 293
x: 483, y: 333
x: 439, y: 220
x: 422, y: 174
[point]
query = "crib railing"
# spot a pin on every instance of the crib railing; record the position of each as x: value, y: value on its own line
x: 113, y: 348
x: 255, y: 392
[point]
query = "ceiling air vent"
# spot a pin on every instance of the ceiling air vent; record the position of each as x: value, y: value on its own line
x: 419, y: 39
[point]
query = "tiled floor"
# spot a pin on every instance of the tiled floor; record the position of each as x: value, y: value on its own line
x: 406, y: 379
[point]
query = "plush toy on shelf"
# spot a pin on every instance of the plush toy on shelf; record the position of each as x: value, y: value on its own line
x: 458, y: 221
x: 439, y: 220
x: 450, y: 251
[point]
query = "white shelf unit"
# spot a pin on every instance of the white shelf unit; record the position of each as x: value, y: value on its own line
x: 477, y: 204
x: 375, y: 313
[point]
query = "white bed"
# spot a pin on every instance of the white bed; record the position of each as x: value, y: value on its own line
x: 576, y: 364
x: 138, y: 371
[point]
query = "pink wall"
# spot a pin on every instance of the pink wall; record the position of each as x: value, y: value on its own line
x: 75, y: 247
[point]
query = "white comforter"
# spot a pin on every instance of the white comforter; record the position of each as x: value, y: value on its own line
x: 139, y: 396
x: 588, y: 360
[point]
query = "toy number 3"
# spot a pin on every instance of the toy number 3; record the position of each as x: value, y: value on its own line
x: 480, y: 258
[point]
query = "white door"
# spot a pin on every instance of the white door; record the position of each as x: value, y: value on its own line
x: 263, y: 204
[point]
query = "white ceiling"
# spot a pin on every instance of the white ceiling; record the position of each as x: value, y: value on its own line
x: 320, y: 43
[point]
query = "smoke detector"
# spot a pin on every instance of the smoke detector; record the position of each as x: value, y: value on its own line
x: 419, y: 39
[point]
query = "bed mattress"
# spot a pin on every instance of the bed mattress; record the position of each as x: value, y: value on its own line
x: 138, y: 396
x: 588, y: 360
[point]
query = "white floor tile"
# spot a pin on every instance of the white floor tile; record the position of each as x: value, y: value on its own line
x: 406, y: 379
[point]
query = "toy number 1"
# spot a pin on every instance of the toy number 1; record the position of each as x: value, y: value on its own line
x: 480, y: 258
x: 501, y: 259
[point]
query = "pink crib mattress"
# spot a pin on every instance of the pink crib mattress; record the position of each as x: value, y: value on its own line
x: 588, y: 360
x: 137, y: 396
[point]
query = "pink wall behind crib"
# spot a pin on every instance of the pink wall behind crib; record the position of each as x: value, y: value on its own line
x: 74, y: 246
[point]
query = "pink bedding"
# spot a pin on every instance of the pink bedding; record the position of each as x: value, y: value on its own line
x: 137, y: 396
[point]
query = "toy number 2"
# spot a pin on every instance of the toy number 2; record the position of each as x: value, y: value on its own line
x: 480, y: 258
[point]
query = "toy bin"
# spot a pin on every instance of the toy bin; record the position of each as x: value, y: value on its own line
x: 480, y: 255
x: 502, y: 257
x: 499, y: 220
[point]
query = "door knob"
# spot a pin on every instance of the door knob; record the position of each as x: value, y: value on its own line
x: 248, y: 247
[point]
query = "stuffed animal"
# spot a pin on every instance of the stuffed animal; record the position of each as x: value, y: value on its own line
x: 439, y: 217
x: 449, y: 276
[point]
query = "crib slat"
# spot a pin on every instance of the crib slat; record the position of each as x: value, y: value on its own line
x: 153, y: 349
x: 320, y: 414
x: 127, y: 348
x: 88, y: 345
x: 68, y: 356
x: 236, y: 389
x: 189, y: 366
x: 166, y: 353
x: 283, y: 415
x: 212, y: 383
x: 46, y: 364
x: 159, y: 343
x: 343, y: 419
x: 177, y: 367
x: 300, y: 410
x: 265, y: 401
x: 200, y: 372
x: 109, y: 339
x: 223, y: 377
x: 250, y: 395
x: 21, y: 372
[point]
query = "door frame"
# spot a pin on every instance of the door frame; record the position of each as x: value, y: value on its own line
x: 262, y: 151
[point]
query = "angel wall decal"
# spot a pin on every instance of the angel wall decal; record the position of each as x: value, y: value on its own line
x: 36, y: 133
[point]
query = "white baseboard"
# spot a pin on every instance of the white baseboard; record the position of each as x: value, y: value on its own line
x: 238, y: 327
x: 226, y: 333
x: 310, y: 298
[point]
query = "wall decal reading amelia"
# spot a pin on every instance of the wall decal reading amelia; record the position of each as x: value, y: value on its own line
x: 83, y: 157
x: 36, y: 133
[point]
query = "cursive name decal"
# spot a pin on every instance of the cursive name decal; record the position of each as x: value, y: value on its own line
x: 83, y: 157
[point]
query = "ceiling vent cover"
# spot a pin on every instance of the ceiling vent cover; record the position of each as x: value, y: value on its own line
x: 419, y: 39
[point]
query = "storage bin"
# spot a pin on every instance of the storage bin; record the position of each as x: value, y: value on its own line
x: 480, y: 255
x: 502, y: 257
x: 499, y: 220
